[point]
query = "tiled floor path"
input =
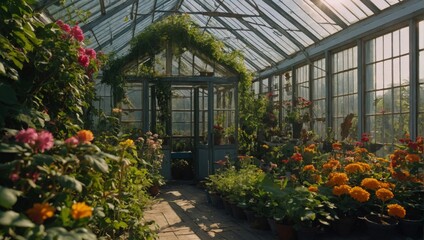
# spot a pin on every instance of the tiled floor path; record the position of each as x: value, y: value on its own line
x: 182, y: 212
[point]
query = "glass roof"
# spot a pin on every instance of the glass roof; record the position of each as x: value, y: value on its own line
x: 266, y: 31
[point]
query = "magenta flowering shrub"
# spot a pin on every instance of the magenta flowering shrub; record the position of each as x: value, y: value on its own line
x: 39, y: 141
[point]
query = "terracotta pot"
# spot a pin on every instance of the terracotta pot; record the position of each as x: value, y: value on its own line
x: 272, y: 225
x: 255, y: 221
x: 238, y: 212
x: 381, y: 226
x: 306, y: 233
x: 285, y: 232
x: 216, y: 201
x: 412, y: 228
x: 344, y: 226
x: 154, y: 190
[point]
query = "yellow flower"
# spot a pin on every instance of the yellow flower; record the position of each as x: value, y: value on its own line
x: 340, y: 190
x: 359, y: 194
x: 81, y: 210
x: 265, y: 146
x: 370, y: 183
x: 337, y: 179
x: 313, y: 189
x: 396, y: 210
x: 309, y: 168
x: 85, y: 136
x: 384, y: 194
x: 310, y: 148
x: 40, y: 212
x: 127, y: 143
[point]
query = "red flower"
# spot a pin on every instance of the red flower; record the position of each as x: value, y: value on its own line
x: 297, y: 157
x: 84, y: 60
x: 365, y: 137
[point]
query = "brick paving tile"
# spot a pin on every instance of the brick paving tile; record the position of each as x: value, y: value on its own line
x: 182, y: 212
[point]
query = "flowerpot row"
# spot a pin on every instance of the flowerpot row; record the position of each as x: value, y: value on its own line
x: 372, y: 225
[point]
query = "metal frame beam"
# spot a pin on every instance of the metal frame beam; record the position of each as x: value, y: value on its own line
x: 273, y: 24
x: 287, y: 16
x: 329, y: 13
x: 102, y: 18
x: 394, y: 15
x: 241, y: 38
x: 371, y: 6
x: 257, y: 32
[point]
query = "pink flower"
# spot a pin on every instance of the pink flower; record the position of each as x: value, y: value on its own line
x: 27, y: 136
x: 59, y: 23
x: 91, y: 53
x: 44, y: 141
x: 72, y: 141
x: 77, y: 33
x: 14, y: 176
x: 84, y: 60
x: 66, y: 28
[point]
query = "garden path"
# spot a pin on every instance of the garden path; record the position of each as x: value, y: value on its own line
x: 183, y: 213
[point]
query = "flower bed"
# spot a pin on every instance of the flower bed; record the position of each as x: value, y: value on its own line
x: 307, y: 188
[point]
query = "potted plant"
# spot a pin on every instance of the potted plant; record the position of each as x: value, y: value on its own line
x: 218, y: 133
x: 297, y: 113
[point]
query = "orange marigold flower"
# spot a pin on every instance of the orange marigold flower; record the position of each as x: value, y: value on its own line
x: 359, y: 194
x: 340, y: 190
x: 353, y: 168
x: 81, y: 210
x: 85, y: 136
x: 361, y: 150
x: 387, y: 185
x: 337, y: 146
x: 40, y: 212
x: 337, y: 179
x: 412, y: 158
x: 370, y: 183
x: 384, y: 194
x: 313, y: 189
x: 365, y: 166
x: 309, y: 167
x: 396, y: 210
x: 332, y: 164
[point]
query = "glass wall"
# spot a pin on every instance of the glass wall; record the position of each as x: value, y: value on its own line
x: 318, y: 97
x: 387, y: 86
x: 421, y: 79
x: 344, y: 81
x: 302, y: 82
x: 132, y: 109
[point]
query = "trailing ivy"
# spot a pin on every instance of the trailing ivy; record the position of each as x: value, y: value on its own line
x: 184, y: 33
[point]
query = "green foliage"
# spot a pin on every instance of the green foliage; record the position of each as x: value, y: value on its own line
x: 40, y: 76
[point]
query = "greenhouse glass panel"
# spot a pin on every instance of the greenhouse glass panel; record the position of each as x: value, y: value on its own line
x: 344, y: 101
x: 318, y: 98
x: 421, y: 79
x: 392, y: 83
